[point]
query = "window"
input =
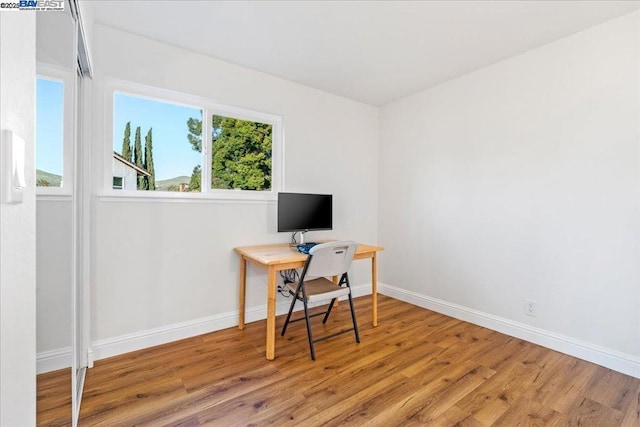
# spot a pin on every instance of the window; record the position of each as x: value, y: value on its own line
x: 49, y: 132
x: 158, y: 147
x: 54, y: 130
x: 152, y: 144
x: 118, y: 183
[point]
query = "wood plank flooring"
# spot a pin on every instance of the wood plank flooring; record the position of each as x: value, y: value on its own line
x: 416, y: 368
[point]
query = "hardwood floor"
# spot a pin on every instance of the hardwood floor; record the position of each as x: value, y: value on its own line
x: 418, y: 367
x: 54, y: 398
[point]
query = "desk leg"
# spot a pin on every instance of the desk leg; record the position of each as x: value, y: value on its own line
x: 374, y: 289
x: 242, y: 291
x: 335, y: 280
x: 271, y: 314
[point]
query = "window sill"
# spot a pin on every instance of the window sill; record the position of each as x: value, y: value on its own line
x: 53, y: 195
x: 170, y: 197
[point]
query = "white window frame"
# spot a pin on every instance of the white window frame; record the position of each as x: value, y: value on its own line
x: 67, y: 78
x: 209, y: 108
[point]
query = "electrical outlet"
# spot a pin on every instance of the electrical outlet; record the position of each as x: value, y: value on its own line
x: 530, y: 307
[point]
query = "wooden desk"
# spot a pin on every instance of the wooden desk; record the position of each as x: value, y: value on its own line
x: 283, y: 257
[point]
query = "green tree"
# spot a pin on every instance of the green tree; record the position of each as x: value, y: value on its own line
x: 241, y: 155
x: 194, y: 126
x: 148, y: 161
x: 126, y: 142
x: 195, y: 134
x: 139, y: 160
x: 196, y: 177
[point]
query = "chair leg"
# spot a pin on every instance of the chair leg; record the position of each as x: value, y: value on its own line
x: 306, y: 318
x: 286, y: 322
x: 328, y: 312
x: 353, y: 317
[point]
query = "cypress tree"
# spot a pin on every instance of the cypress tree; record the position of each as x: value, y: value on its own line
x: 138, y: 159
x: 148, y: 161
x: 126, y: 142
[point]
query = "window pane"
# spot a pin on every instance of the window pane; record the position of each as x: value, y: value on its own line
x: 153, y: 145
x: 241, y: 154
x: 49, y: 132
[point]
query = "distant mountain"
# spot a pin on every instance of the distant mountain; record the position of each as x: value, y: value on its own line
x: 54, y: 180
x: 165, y: 183
x: 43, y: 178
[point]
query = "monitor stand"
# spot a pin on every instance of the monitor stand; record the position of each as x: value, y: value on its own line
x: 302, y: 236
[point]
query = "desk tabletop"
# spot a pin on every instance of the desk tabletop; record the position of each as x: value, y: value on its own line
x: 284, y: 253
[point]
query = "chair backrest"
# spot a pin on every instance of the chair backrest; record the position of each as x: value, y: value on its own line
x: 331, y: 259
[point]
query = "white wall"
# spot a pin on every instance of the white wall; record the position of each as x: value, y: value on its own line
x: 521, y: 180
x: 17, y: 227
x: 54, y: 39
x: 53, y: 273
x: 156, y: 264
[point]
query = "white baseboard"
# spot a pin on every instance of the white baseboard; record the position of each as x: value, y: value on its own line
x: 101, y: 349
x: 52, y: 360
x: 625, y: 363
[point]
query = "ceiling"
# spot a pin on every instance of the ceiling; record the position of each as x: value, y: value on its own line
x: 370, y: 51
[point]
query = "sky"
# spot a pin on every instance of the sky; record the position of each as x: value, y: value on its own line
x: 49, y: 122
x: 172, y: 152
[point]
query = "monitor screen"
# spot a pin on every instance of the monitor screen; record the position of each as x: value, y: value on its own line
x: 300, y: 212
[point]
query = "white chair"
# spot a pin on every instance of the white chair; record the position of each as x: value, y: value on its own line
x: 324, y: 260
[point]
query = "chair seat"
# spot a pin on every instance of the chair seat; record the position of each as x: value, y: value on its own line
x: 320, y: 289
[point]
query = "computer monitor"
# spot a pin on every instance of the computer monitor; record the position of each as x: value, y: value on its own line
x: 303, y: 212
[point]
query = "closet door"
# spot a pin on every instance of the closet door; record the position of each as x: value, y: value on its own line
x: 55, y: 139
x: 61, y: 240
x: 79, y: 356
x: 81, y: 216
